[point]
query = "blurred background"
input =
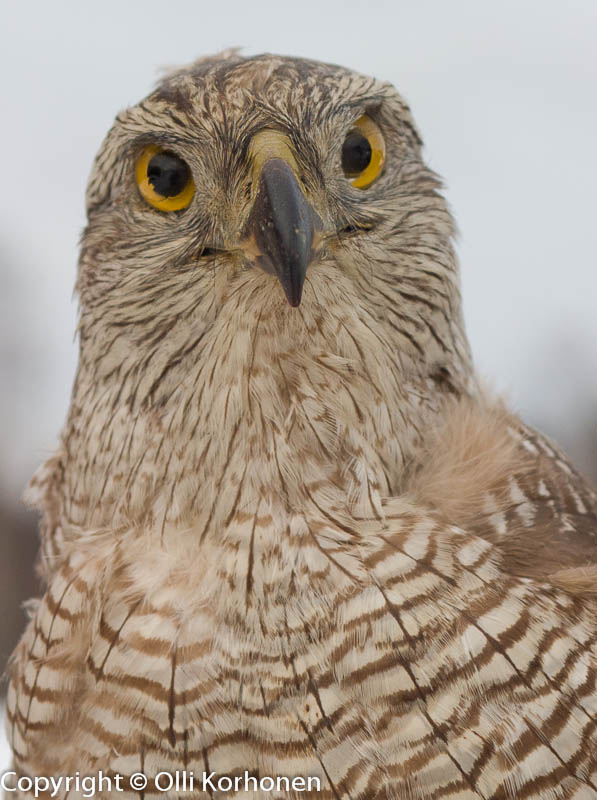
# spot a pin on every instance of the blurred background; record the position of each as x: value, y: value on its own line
x: 504, y: 94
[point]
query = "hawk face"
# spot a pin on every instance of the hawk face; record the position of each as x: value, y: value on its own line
x: 264, y: 218
x: 294, y: 185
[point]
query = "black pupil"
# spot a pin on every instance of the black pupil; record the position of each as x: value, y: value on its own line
x: 168, y: 174
x: 356, y: 153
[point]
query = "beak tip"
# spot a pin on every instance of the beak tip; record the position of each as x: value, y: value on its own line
x: 293, y: 293
x: 293, y: 283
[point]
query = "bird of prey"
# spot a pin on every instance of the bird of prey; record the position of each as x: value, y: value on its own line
x: 286, y: 533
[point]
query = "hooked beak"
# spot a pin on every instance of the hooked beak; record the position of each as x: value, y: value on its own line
x: 282, y: 227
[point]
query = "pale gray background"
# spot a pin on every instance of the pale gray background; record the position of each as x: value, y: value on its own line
x: 504, y: 93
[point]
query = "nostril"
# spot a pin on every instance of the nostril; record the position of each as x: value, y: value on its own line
x: 357, y: 228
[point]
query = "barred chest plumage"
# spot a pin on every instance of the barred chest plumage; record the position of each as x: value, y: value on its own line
x: 399, y: 663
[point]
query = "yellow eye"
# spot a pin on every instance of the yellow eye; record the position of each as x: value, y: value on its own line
x: 164, y: 179
x: 363, y: 153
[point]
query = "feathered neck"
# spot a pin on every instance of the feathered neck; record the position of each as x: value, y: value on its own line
x: 317, y: 410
